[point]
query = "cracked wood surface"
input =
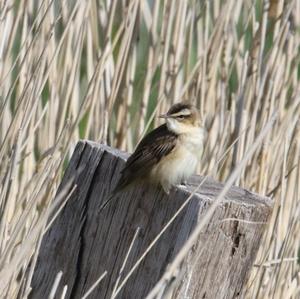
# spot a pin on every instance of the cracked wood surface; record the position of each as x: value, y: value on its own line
x: 83, y: 243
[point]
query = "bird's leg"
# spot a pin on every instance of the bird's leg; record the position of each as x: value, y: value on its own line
x: 183, y: 183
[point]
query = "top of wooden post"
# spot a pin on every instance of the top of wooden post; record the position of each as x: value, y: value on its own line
x: 83, y: 242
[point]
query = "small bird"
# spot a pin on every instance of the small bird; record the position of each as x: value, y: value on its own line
x: 169, y: 154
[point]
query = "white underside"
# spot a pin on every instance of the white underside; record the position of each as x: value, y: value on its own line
x: 182, y: 162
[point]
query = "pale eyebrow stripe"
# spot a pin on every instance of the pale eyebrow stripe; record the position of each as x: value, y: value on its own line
x: 184, y: 112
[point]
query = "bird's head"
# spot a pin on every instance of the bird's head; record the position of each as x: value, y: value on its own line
x: 182, y: 118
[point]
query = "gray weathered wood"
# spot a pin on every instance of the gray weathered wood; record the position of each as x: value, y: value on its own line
x: 83, y: 243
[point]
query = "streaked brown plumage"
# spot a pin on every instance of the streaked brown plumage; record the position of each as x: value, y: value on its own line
x: 169, y: 153
x: 157, y: 144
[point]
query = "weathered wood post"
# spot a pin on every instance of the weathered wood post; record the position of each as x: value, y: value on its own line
x: 83, y: 243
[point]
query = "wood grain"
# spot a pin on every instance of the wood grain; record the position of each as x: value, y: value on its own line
x: 83, y: 242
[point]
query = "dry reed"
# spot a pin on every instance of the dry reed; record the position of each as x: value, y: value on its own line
x: 103, y: 70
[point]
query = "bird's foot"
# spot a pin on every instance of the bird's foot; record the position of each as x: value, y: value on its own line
x: 183, y: 183
x: 183, y: 186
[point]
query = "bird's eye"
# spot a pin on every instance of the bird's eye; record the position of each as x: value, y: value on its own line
x: 180, y: 117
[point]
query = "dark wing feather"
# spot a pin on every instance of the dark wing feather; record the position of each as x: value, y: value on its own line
x: 157, y: 144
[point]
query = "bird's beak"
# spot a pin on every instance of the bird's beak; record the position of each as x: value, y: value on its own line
x: 164, y: 116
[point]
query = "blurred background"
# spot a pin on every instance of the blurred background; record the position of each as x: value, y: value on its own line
x: 103, y: 70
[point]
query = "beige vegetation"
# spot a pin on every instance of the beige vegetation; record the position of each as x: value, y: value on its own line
x: 103, y: 70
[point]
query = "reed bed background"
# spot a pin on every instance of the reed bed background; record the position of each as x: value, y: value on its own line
x: 103, y: 70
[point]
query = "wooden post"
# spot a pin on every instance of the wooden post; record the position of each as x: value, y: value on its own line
x: 83, y: 243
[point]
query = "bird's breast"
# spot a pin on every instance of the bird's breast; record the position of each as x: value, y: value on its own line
x: 193, y: 141
x: 179, y: 165
x: 183, y: 160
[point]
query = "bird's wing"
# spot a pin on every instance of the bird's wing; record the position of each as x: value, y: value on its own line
x: 157, y: 144
x: 154, y: 146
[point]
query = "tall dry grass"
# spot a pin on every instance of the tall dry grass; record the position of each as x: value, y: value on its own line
x: 103, y: 70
